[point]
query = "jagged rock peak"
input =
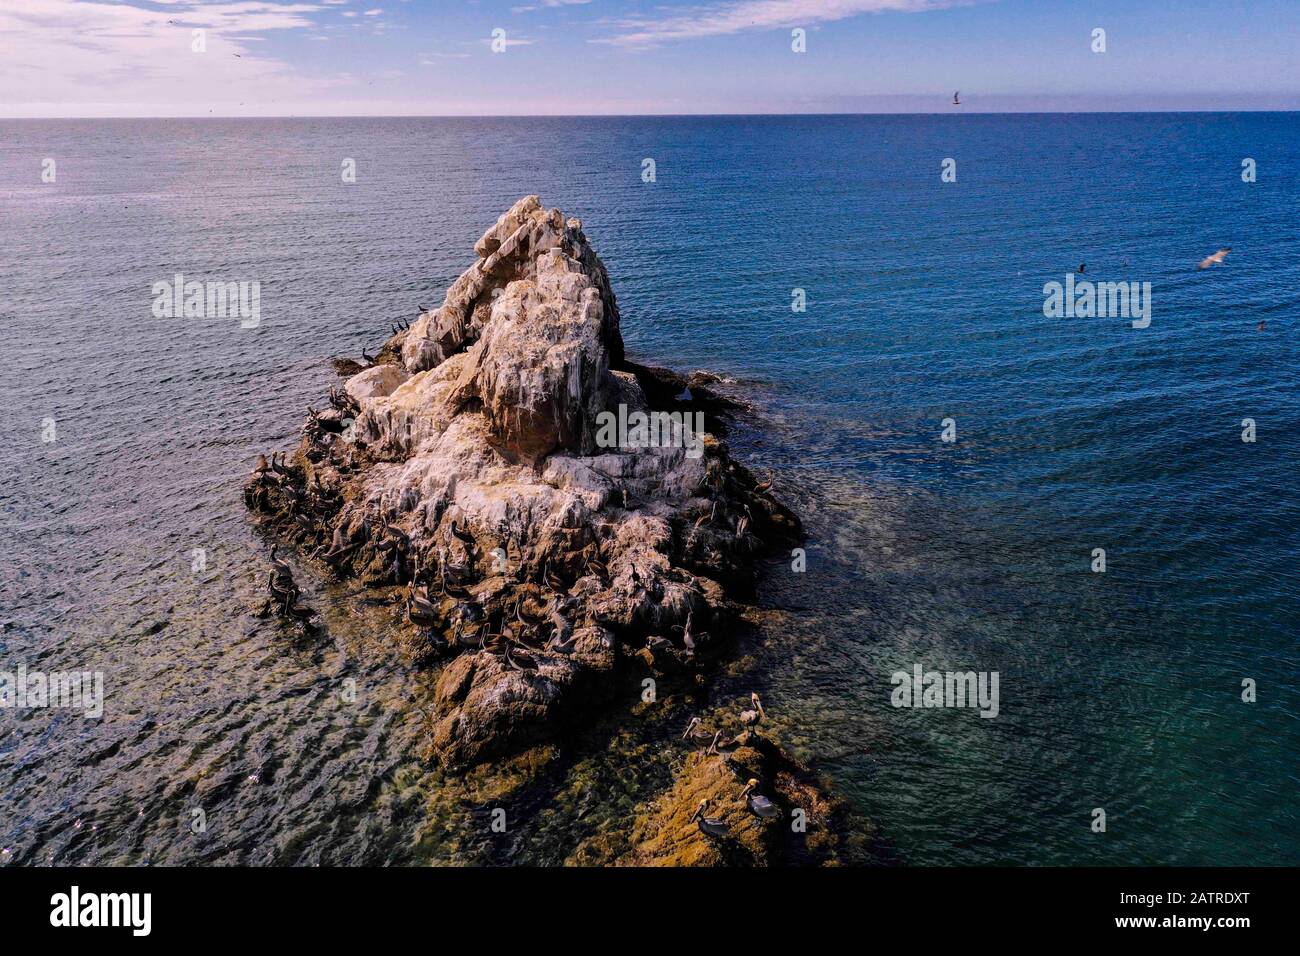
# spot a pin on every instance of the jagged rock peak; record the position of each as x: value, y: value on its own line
x: 512, y: 249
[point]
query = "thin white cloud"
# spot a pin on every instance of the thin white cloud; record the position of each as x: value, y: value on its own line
x: 68, y: 57
x: 736, y: 16
x: 548, y: 4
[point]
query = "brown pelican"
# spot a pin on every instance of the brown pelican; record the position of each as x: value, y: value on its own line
x: 758, y: 804
x: 562, y: 636
x: 722, y: 745
x: 598, y: 568
x: 709, y: 827
x: 525, y: 663
x: 553, y: 580
x: 465, y: 637
x: 688, y: 636
x: 696, y: 732
x: 751, y: 718
x: 285, y: 595
x: 420, y: 610
x: 1215, y: 259
x: 300, y: 611
x: 282, y: 569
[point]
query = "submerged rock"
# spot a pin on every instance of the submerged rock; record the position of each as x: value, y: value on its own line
x: 473, y: 465
x: 761, y: 808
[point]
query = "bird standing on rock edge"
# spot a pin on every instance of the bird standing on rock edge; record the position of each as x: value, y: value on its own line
x: 751, y: 718
x: 759, y: 805
x: 710, y: 827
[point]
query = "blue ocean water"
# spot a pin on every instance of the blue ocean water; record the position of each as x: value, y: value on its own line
x: 1119, y: 691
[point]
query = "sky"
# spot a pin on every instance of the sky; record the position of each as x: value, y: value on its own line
x: 92, y: 58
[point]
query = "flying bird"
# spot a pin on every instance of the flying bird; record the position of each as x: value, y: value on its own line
x: 956, y: 98
x: 1215, y: 259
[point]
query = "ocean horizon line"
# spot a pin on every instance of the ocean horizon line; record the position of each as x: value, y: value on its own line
x: 573, y: 116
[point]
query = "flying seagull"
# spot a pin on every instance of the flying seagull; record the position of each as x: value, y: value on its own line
x: 1215, y: 259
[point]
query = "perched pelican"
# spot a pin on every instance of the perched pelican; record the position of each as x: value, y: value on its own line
x: 282, y: 569
x: 695, y: 732
x: 751, y: 718
x: 688, y: 636
x: 721, y: 745
x: 420, y: 611
x: 709, y: 827
x: 525, y: 663
x: 758, y: 804
x: 1215, y: 259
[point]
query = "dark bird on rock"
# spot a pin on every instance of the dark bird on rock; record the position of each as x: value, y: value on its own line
x: 695, y: 731
x: 721, y: 744
x: 716, y: 828
x: 759, y: 805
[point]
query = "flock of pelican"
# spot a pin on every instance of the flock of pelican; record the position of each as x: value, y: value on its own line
x: 757, y: 803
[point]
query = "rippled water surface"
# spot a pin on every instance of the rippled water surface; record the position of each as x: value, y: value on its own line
x: 1118, y: 690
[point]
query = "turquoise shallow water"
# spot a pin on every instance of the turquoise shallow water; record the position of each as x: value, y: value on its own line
x: 1118, y: 690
